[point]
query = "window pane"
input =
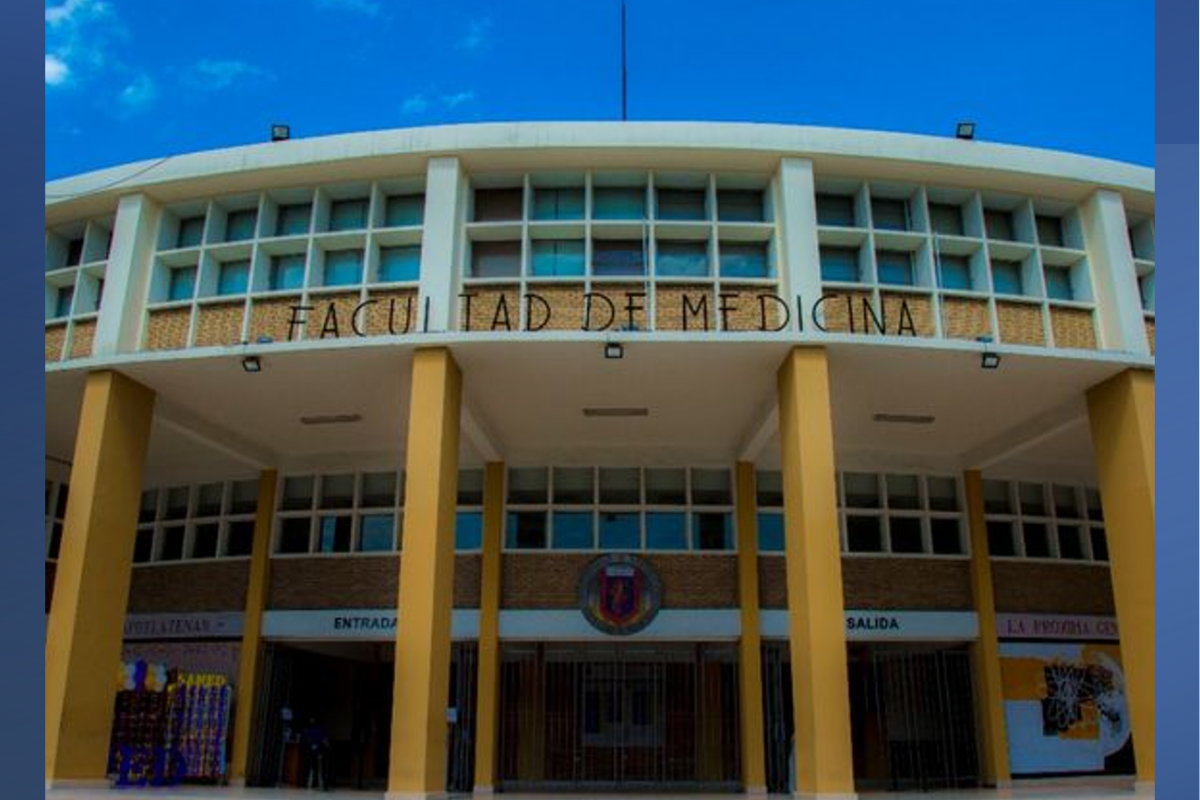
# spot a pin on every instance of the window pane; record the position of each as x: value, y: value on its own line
x: 376, y: 533
x: 1000, y: 538
x: 239, y: 225
x: 666, y: 531
x: 498, y: 205
x: 620, y: 531
x: 297, y: 493
x: 839, y: 264
x: 1058, y: 283
x: 177, y: 503
x: 208, y: 503
x: 63, y: 491
x: 342, y: 268
x: 293, y: 219
x: 888, y: 214
x: 335, y: 534
x: 895, y: 267
x: 243, y: 497
x: 204, y: 540
x: 74, y: 252
x: 681, y: 204
x: 744, y: 260
x: 666, y: 487
x: 171, y: 548
x: 906, y: 534
x: 711, y: 487
x: 1033, y: 499
x: 1037, y: 540
x: 1070, y: 542
x: 862, y: 490
x: 234, y: 277
x: 1099, y: 543
x: 996, y: 498
x: 770, y: 533
x: 191, y: 232
x: 681, y: 259
x: 147, y: 508
x: 864, y: 534
x: 1066, y: 502
x: 1006, y: 277
x: 62, y: 300
x: 740, y: 205
x: 404, y: 209
x: 287, y: 272
x: 468, y: 530
x: 558, y: 257
x: 1050, y: 230
x: 619, y: 486
x: 573, y: 485
x: 347, y: 215
x: 573, y: 530
x: 379, y: 490
x: 946, y: 219
x: 713, y: 531
x: 55, y: 544
x: 619, y: 203
x: 769, y: 487
x: 526, y: 530
x: 293, y: 534
x: 946, y: 536
x: 999, y: 224
x: 527, y: 485
x: 835, y: 209
x: 495, y: 259
x: 1094, y: 509
x: 399, y: 264
x: 954, y: 272
x: 903, y: 492
x: 337, y: 491
x: 943, y: 493
x: 239, y: 537
x: 558, y: 203
x: 611, y: 258
x: 143, y: 545
x: 182, y: 283
x: 470, y: 487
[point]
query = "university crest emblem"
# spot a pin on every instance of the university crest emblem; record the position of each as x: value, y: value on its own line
x: 619, y: 594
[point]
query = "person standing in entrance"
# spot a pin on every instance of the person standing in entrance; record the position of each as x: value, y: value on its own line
x: 315, y: 744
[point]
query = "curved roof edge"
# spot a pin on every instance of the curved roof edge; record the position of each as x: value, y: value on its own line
x: 784, y: 140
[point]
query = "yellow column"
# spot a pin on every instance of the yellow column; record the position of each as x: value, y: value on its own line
x: 84, y: 632
x: 487, y: 698
x: 754, y: 765
x: 989, y: 700
x: 816, y: 614
x: 418, y: 753
x: 256, y: 603
x: 1121, y: 413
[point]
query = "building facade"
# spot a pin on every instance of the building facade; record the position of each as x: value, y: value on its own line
x: 634, y: 456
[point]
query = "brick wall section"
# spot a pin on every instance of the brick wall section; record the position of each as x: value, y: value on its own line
x: 397, y: 307
x: 56, y: 337
x: 551, y: 580
x: 914, y: 584
x: 357, y: 582
x: 670, y: 313
x: 271, y: 317
x: 168, y: 329
x: 1033, y: 587
x: 1073, y: 327
x: 1150, y: 333
x: 339, y: 319
x: 616, y: 293
x: 747, y: 313
x: 965, y: 318
x: 486, y: 311
x: 840, y: 312
x: 920, y: 313
x: 1020, y: 323
x: 82, y: 335
x: 467, y: 571
x: 566, y: 303
x: 211, y: 586
x: 220, y: 324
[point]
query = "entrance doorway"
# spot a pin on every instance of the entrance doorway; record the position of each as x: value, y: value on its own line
x: 619, y: 716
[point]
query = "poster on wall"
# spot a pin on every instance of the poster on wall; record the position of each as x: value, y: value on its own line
x: 1064, y: 703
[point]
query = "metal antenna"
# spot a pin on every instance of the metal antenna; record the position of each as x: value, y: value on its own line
x: 624, y: 69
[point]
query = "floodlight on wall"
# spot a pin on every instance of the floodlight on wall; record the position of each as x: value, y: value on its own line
x: 989, y: 359
x: 280, y: 132
x: 964, y: 130
x: 251, y: 364
x: 614, y: 350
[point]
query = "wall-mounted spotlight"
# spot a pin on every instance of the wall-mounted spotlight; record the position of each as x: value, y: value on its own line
x: 989, y: 359
x: 280, y: 132
x: 965, y: 130
x: 251, y: 364
x: 614, y: 350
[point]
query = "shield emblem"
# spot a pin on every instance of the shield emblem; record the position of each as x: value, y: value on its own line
x: 620, y: 593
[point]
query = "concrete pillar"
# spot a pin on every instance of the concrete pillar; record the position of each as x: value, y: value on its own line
x: 985, y: 658
x: 797, y: 213
x: 487, y: 696
x: 445, y: 213
x: 1121, y: 413
x: 1118, y: 301
x: 256, y: 604
x: 418, y: 751
x: 754, y: 760
x: 816, y: 613
x: 87, y: 619
x: 127, y: 276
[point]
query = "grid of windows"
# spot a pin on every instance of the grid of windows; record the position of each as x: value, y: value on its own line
x: 1044, y: 521
x: 76, y: 263
x: 619, y: 509
x: 56, y: 512
x: 200, y: 521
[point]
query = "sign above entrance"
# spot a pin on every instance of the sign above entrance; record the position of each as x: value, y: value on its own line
x: 214, y: 625
x: 876, y: 626
x: 619, y: 594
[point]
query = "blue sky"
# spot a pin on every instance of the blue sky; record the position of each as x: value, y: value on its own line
x: 135, y: 79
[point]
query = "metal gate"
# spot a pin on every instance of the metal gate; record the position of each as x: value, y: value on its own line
x: 777, y: 714
x: 460, y: 738
x: 269, y: 730
x: 914, y: 718
x: 619, y: 717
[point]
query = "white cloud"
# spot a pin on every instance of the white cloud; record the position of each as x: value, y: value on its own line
x: 79, y: 35
x: 216, y: 74
x: 368, y: 8
x: 60, y: 14
x: 139, y: 93
x: 457, y: 99
x: 57, y: 70
x: 414, y: 105
x: 476, y: 35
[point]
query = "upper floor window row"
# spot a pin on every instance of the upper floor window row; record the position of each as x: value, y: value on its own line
x: 79, y: 244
